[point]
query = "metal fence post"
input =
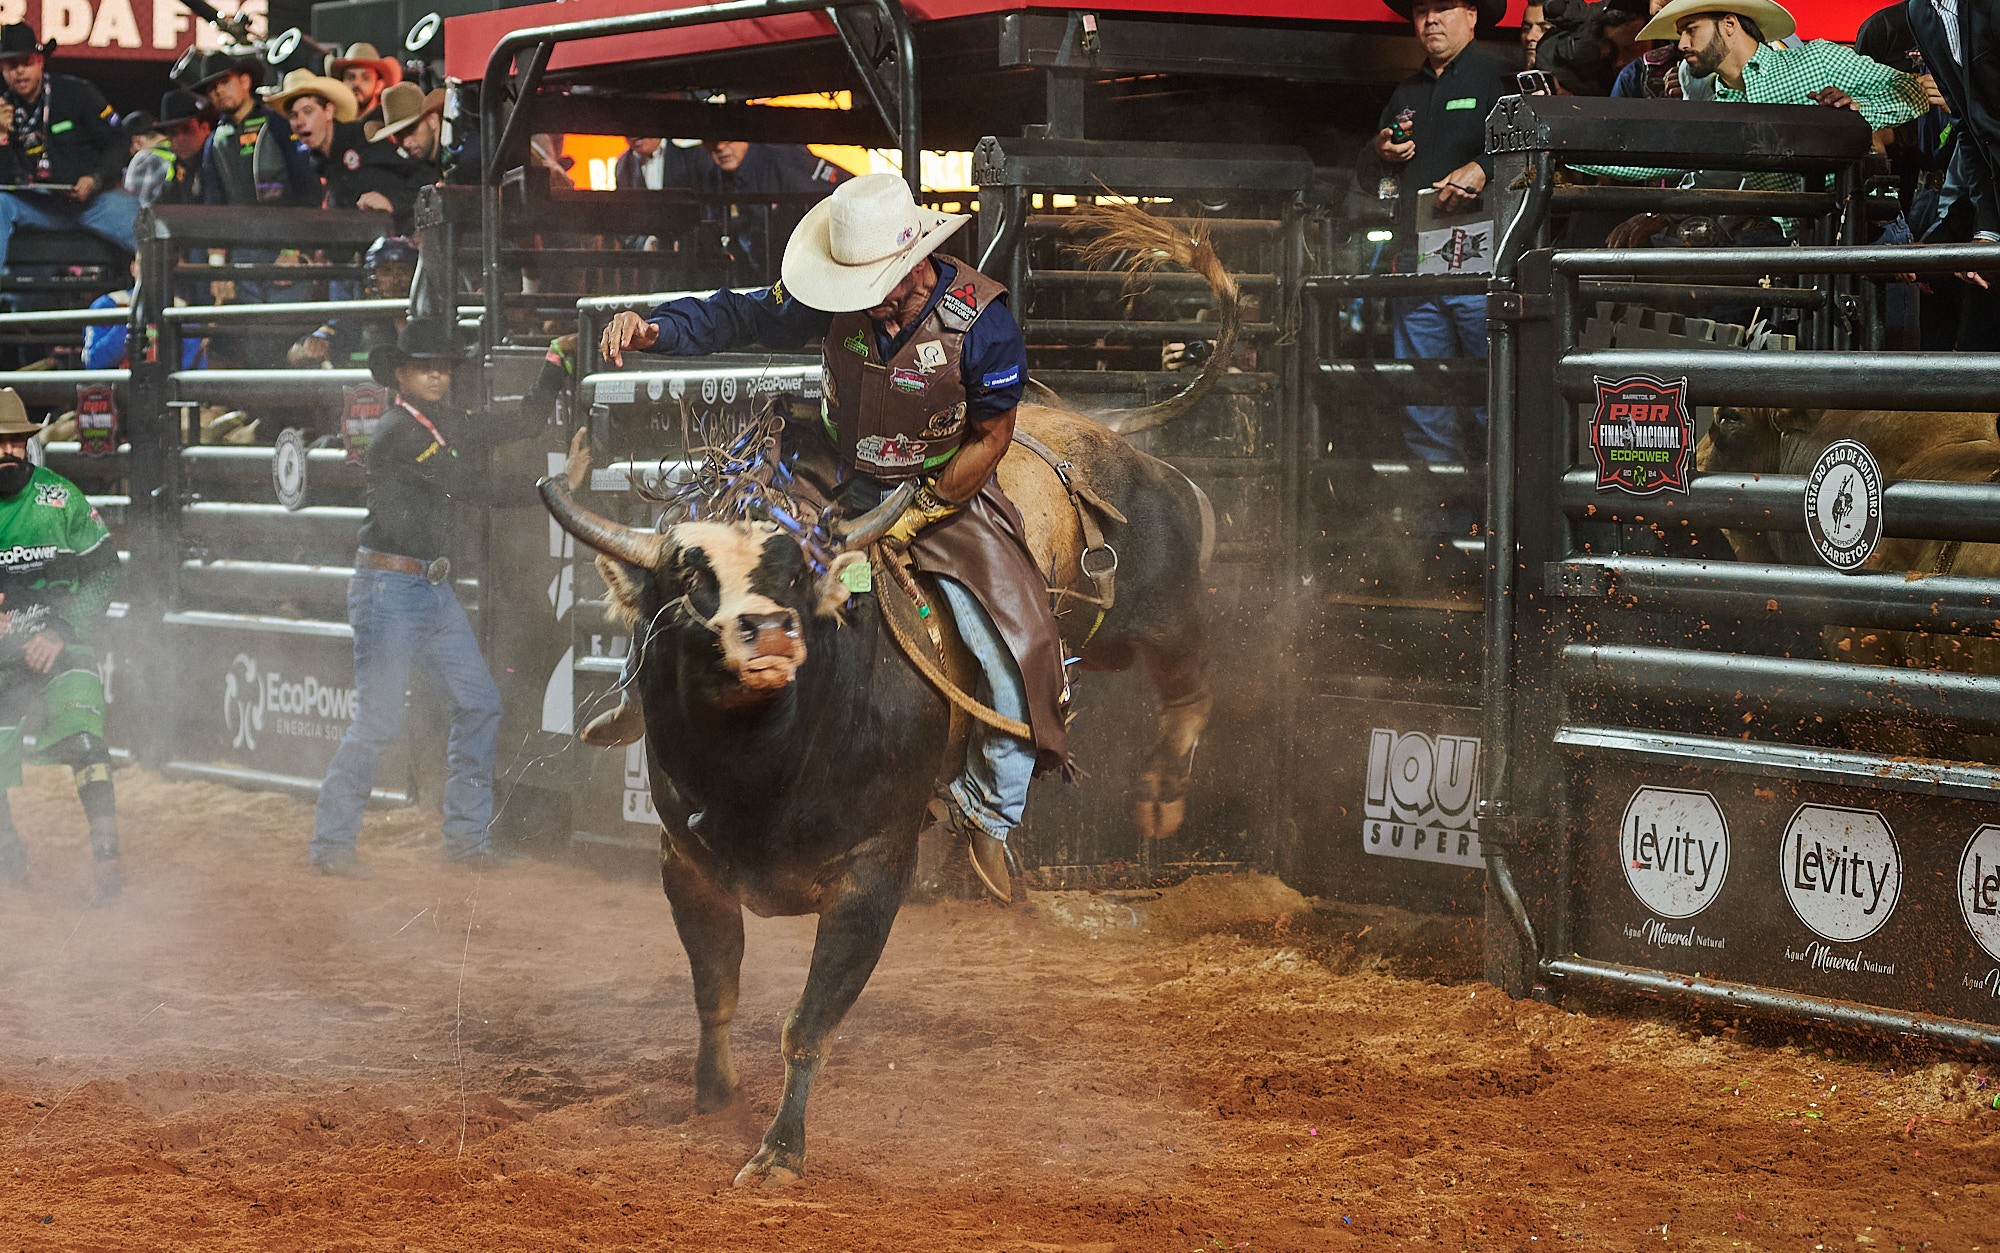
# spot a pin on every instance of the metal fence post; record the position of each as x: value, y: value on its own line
x: 154, y: 441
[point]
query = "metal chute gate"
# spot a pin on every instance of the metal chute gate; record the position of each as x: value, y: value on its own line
x: 1697, y: 804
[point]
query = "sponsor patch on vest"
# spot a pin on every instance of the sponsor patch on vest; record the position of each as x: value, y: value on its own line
x: 857, y: 344
x: 1001, y: 378
x: 778, y: 293
x: 351, y: 159
x: 930, y: 355
x: 896, y: 452
x: 960, y: 302
x: 54, y: 495
x: 27, y: 555
x: 946, y: 422
x: 1463, y: 102
x: 907, y: 380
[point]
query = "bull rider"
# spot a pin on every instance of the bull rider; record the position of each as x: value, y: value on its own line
x: 57, y: 568
x: 923, y: 366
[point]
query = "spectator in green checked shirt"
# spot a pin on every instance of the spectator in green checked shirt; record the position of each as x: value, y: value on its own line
x: 1730, y: 39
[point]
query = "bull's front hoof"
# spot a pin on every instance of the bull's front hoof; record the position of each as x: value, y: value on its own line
x: 1157, y: 820
x: 771, y: 1170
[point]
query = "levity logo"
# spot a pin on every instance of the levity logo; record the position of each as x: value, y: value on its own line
x: 1674, y: 845
x: 1421, y: 797
x: 1979, y: 890
x: 308, y: 707
x: 1841, y: 870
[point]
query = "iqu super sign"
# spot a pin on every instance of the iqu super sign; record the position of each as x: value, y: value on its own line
x: 1642, y: 435
x: 1422, y: 797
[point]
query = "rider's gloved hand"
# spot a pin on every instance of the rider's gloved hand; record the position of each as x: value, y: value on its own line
x: 927, y: 508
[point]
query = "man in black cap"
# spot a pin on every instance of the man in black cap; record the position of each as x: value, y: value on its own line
x: 251, y: 158
x: 424, y: 460
x: 1433, y: 138
x: 169, y: 172
x: 56, y: 131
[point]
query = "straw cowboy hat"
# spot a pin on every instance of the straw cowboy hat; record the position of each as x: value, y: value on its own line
x: 855, y: 245
x: 14, y: 418
x: 306, y: 83
x: 1771, y: 18
x: 388, y: 69
x: 404, y: 105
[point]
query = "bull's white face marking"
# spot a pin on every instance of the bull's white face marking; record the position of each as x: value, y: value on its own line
x: 761, y: 640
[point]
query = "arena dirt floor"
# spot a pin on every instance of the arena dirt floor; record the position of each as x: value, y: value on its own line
x: 242, y: 1055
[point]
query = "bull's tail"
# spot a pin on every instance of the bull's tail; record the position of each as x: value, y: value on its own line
x: 1147, y: 243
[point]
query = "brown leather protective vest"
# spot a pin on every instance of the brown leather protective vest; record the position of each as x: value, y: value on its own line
x: 896, y: 419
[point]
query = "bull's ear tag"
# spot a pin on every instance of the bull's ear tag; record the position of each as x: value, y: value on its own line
x: 858, y: 577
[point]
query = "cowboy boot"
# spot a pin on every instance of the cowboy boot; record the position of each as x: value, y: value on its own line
x: 624, y: 724
x: 992, y: 863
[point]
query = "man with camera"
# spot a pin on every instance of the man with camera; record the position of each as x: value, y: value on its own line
x: 61, y: 158
x: 1433, y: 138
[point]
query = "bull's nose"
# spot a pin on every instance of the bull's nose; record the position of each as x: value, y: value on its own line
x: 755, y: 626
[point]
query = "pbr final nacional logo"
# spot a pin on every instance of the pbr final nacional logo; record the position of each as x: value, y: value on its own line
x: 1844, y: 505
x: 96, y: 419
x: 1643, y: 435
x: 361, y: 408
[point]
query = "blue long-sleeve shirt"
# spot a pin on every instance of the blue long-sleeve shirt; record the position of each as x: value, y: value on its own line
x: 993, y: 357
x: 104, y: 346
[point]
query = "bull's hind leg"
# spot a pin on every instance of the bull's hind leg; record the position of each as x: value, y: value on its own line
x: 710, y: 922
x: 1180, y: 677
x: 845, y: 950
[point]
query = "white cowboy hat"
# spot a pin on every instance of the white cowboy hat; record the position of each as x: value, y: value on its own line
x: 855, y: 245
x: 306, y: 83
x: 1771, y: 18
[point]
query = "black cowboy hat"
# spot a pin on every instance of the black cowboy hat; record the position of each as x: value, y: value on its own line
x: 17, y: 39
x: 1490, y: 11
x: 195, y: 72
x: 430, y: 339
x: 177, y: 107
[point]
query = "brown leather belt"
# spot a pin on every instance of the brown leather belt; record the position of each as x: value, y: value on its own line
x: 437, y: 570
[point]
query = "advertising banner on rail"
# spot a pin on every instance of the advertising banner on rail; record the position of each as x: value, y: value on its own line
x: 1882, y: 897
x: 124, y: 30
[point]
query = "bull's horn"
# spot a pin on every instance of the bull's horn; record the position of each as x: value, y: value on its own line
x: 874, y: 524
x: 633, y: 547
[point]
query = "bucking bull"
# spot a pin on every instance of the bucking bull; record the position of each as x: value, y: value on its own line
x: 793, y: 748
x: 1942, y: 447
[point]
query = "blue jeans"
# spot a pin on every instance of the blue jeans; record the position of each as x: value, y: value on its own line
x: 1439, y: 326
x: 111, y: 215
x: 399, y: 619
x: 993, y: 790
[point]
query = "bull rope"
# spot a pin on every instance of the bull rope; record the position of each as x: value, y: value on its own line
x: 911, y: 603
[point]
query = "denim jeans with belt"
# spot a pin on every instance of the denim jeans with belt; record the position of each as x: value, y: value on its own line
x: 400, y: 619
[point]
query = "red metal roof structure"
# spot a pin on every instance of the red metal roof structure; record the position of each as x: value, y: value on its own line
x: 469, y: 38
